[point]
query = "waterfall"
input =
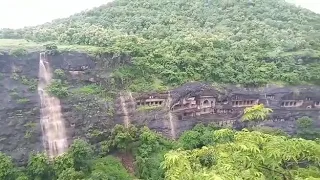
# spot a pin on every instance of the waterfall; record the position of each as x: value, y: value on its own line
x: 171, y: 120
x: 124, y: 110
x: 52, y: 123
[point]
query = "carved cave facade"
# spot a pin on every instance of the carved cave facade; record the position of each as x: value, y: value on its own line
x: 226, y: 105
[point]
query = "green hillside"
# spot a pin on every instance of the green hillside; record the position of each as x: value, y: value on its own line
x: 250, y: 42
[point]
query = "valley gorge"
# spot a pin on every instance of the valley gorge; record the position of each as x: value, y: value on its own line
x: 31, y: 121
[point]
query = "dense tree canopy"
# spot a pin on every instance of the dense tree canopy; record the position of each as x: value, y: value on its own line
x: 205, y: 152
x: 247, y: 155
x: 175, y: 41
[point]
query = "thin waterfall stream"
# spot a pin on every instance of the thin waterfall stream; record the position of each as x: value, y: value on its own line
x: 52, y: 124
x: 171, y: 120
x: 124, y: 110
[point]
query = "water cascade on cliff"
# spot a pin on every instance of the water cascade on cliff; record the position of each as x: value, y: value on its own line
x: 52, y: 123
x: 171, y: 120
x: 124, y: 110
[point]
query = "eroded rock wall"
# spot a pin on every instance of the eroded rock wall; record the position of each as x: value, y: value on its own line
x: 19, y: 105
x: 89, y: 114
x: 86, y: 115
x: 196, y: 102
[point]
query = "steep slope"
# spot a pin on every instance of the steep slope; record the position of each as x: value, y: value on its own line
x: 231, y: 41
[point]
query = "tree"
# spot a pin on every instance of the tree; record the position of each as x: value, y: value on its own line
x: 198, y: 137
x: 81, y: 154
x: 7, y: 169
x: 190, y: 139
x: 62, y: 163
x: 39, y: 167
x: 151, y: 148
x: 307, y: 129
x: 251, y: 155
x: 109, y: 168
x: 71, y: 174
x: 123, y: 137
x: 256, y: 113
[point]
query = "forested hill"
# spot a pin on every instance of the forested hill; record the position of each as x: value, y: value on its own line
x: 175, y: 41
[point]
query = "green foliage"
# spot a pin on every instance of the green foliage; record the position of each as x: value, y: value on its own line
x: 256, y: 113
x: 62, y: 163
x: 147, y: 146
x: 78, y: 163
x: 7, y: 170
x: 91, y: 89
x: 122, y: 137
x: 271, y: 131
x: 306, y: 128
x: 23, y: 100
x: 250, y: 155
x: 111, y: 111
x: 30, y: 129
x: 59, y: 74
x: 14, y: 95
x: 18, y: 52
x: 58, y: 88
x: 95, y: 133
x: 198, y: 137
x: 304, y: 122
x: 51, y: 46
x: 177, y: 41
x: 20, y: 175
x: 148, y: 108
x: 109, y: 168
x: 71, y: 174
x: 218, y: 154
x: 32, y: 83
x: 15, y: 76
x: 81, y: 153
x: 39, y: 167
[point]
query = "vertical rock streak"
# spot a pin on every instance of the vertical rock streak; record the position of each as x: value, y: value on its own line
x: 52, y: 123
x: 124, y: 110
x: 171, y: 120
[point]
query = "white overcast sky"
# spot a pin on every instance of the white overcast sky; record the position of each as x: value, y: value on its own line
x: 313, y: 5
x: 20, y: 13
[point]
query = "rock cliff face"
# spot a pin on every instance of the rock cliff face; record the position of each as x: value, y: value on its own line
x: 85, y: 115
x: 89, y: 115
x: 199, y: 102
x: 19, y: 105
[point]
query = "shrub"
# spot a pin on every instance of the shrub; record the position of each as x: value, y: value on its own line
x: 18, y: 52
x: 109, y: 168
x: 15, y: 76
x: 59, y: 74
x: 23, y: 101
x: 32, y: 83
x: 91, y: 89
x: 58, y: 88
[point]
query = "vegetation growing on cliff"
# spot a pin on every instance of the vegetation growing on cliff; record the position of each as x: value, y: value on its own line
x: 307, y: 128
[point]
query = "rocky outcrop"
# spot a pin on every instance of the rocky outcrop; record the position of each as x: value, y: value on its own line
x: 200, y: 102
x: 19, y: 106
x: 85, y: 115
x: 89, y: 115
